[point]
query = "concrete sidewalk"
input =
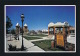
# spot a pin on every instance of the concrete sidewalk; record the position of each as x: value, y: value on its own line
x: 71, y: 40
x: 30, y: 46
x: 43, y: 38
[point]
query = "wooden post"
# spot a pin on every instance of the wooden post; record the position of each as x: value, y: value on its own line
x: 48, y: 30
x: 16, y: 29
x: 63, y: 30
x: 54, y: 37
x: 52, y: 44
x: 68, y: 31
x: 65, y: 38
x: 54, y: 31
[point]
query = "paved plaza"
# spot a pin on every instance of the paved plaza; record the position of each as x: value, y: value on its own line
x: 71, y: 40
x: 29, y: 46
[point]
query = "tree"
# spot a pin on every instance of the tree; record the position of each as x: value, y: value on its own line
x: 33, y: 32
x: 13, y: 31
x: 8, y: 24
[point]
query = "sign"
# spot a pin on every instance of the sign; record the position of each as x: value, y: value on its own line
x: 60, y: 40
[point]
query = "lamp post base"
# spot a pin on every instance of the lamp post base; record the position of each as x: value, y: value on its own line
x: 22, y: 48
x: 18, y: 38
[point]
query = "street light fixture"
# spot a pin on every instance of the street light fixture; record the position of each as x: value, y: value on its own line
x: 22, y: 19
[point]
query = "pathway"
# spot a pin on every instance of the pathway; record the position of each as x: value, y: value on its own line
x: 43, y: 38
x: 30, y: 46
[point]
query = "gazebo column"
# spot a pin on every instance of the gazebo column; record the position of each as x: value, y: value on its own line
x: 17, y: 30
x: 54, y: 30
x: 48, y: 30
x: 68, y: 31
x: 63, y: 30
x: 25, y: 29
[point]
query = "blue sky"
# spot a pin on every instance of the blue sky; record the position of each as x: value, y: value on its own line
x: 38, y: 17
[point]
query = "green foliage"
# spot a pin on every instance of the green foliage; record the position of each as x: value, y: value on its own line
x: 46, y: 45
x: 8, y: 24
x: 31, y: 38
x: 13, y: 31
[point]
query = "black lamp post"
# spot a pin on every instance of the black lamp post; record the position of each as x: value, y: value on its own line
x: 18, y: 31
x: 22, y: 17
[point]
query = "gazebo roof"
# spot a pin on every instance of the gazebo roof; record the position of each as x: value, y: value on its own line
x: 25, y: 24
x: 58, y: 24
x: 17, y: 24
x: 50, y: 24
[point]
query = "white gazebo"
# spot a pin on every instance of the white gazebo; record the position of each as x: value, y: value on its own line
x: 25, y: 28
x: 17, y: 24
x: 17, y: 28
x: 52, y: 26
x: 58, y: 24
x: 25, y: 25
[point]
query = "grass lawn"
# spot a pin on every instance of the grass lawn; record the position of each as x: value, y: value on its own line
x: 46, y: 45
x: 31, y: 38
x: 41, y: 35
